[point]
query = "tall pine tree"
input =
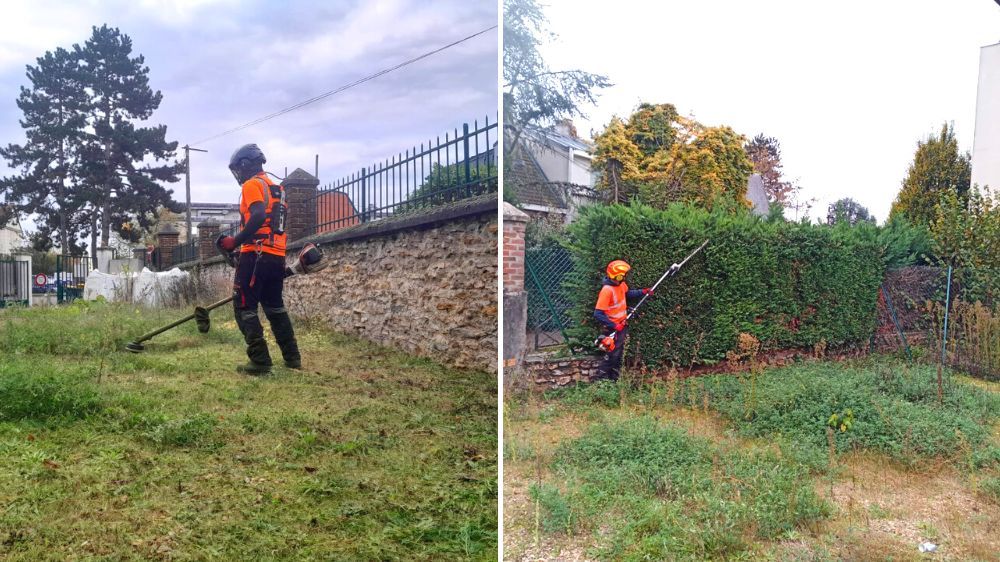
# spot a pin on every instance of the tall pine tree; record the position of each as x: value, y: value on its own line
x: 123, y: 164
x: 53, y: 122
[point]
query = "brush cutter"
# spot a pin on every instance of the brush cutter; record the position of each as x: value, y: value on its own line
x: 309, y: 260
x: 607, y: 342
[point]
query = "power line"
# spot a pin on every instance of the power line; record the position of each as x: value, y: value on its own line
x: 346, y: 86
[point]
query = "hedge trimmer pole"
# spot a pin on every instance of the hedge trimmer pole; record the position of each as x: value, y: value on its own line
x: 607, y: 342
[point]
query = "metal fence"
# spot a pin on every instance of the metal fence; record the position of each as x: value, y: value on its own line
x: 549, y: 304
x: 15, y: 282
x: 463, y: 165
x: 71, y: 276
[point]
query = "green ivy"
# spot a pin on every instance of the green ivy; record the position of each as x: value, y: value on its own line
x: 790, y: 285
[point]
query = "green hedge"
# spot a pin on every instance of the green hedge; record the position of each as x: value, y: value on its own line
x: 789, y: 284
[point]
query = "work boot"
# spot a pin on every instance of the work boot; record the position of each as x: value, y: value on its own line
x: 253, y: 369
x: 281, y: 327
x: 260, y: 359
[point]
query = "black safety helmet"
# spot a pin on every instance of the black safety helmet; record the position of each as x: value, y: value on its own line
x: 246, y: 162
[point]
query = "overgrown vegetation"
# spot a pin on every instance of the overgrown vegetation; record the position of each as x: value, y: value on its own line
x: 741, y: 467
x: 787, y: 284
x: 681, y: 496
x: 369, y: 454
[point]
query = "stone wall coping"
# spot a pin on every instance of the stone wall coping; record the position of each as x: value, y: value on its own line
x: 513, y: 214
x: 474, y: 206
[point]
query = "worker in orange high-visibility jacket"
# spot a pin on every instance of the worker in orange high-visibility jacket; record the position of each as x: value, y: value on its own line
x: 260, y: 271
x: 611, y: 311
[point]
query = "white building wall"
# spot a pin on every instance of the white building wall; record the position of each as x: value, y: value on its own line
x: 986, y: 145
x: 552, y: 162
x: 10, y: 241
x: 564, y: 165
x: 580, y: 173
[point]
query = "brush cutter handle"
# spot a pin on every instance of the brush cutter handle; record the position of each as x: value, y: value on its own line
x: 176, y: 323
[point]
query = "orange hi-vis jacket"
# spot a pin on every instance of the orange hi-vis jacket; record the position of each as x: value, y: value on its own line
x: 253, y: 191
x: 611, y: 300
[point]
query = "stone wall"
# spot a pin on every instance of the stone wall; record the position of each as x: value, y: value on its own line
x: 424, y: 283
x: 554, y: 372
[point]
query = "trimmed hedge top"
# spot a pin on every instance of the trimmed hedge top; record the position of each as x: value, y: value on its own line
x: 790, y: 285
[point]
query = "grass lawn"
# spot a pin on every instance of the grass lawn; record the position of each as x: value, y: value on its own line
x: 367, y: 454
x: 741, y: 467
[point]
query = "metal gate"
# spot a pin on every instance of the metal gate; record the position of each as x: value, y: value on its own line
x: 71, y: 274
x: 15, y: 282
x: 549, y: 304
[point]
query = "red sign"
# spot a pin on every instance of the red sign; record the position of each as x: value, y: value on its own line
x: 41, y: 279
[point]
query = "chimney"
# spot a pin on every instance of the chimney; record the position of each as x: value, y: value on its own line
x: 566, y: 127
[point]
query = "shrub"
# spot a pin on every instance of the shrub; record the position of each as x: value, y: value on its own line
x: 787, y: 284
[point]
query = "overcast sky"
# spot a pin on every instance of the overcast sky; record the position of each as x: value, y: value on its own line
x: 222, y: 63
x: 848, y: 88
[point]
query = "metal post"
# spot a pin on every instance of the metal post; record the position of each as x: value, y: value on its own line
x: 317, y: 167
x: 947, y: 307
x: 187, y: 185
x: 362, y: 209
x: 468, y: 172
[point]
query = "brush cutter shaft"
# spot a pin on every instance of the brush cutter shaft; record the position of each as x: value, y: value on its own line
x: 176, y: 323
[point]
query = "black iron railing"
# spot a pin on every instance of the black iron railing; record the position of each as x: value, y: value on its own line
x: 462, y: 165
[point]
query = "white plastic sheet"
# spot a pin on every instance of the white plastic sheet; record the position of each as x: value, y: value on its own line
x: 159, y: 288
x: 148, y: 288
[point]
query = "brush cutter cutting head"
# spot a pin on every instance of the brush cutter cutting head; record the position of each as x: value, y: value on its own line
x: 201, y: 318
x: 134, y: 347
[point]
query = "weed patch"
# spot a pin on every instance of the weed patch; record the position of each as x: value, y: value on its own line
x: 39, y: 392
x: 678, y: 496
x: 894, y: 408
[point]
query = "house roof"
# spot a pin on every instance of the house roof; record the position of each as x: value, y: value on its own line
x: 553, y: 137
x: 528, y: 181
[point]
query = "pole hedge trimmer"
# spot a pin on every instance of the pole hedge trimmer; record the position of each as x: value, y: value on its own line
x: 309, y: 260
x: 607, y: 342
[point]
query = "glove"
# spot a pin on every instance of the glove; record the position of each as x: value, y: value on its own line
x: 674, y: 268
x: 227, y: 243
x: 620, y: 326
x: 647, y: 291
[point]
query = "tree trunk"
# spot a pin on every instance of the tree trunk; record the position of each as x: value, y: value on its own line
x: 105, y: 223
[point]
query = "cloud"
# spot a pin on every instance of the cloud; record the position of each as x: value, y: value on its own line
x: 222, y: 63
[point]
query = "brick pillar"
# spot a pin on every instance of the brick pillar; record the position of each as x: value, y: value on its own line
x: 301, y: 188
x: 515, y: 299
x: 208, y: 231
x: 166, y: 241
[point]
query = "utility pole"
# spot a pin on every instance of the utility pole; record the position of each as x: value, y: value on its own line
x: 187, y: 182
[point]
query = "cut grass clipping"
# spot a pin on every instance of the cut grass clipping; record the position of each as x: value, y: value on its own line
x: 369, y: 454
x: 679, y: 496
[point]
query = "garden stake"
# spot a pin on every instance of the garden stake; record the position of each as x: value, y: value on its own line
x: 944, y: 339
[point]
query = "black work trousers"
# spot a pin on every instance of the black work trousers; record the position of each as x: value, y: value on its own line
x: 260, y: 280
x: 611, y: 364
